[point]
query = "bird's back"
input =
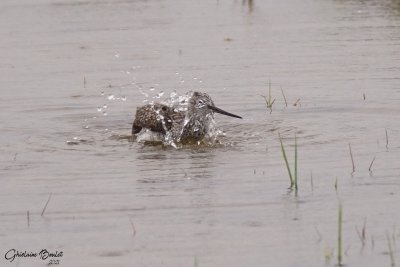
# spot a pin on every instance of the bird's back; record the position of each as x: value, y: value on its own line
x: 155, y: 117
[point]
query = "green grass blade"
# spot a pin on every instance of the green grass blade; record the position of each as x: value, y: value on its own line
x: 295, y: 162
x: 392, y: 262
x: 286, y: 161
x: 340, y: 249
x: 270, y: 97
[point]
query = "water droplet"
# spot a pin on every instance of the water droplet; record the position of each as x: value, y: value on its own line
x: 104, y: 106
x: 182, y: 81
x: 86, y: 127
x: 102, y: 93
x: 99, y: 109
x: 177, y: 73
x: 160, y: 94
x: 75, y: 138
x: 186, y: 121
x: 128, y: 72
x: 123, y: 98
x: 110, y: 97
x: 105, y: 113
x: 116, y: 55
x: 152, y: 88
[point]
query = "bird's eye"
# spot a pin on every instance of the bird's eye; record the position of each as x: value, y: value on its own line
x: 201, y: 102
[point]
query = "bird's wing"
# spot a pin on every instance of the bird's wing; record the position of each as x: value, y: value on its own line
x: 156, y: 117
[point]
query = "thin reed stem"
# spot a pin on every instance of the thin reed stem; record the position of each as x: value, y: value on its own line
x: 284, y: 97
x: 295, y: 162
x: 391, y: 255
x: 340, y: 247
x: 352, y: 159
x: 286, y: 162
x: 387, y: 139
x: 45, y: 206
x: 372, y: 162
x: 312, y: 182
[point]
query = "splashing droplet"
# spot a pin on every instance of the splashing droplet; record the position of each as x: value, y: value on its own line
x: 160, y: 94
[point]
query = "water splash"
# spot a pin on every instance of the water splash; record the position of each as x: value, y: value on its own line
x: 160, y: 94
x: 174, y: 135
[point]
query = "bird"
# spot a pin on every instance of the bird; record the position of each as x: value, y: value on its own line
x: 191, y: 124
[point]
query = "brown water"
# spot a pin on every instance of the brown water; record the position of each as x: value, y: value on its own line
x: 228, y: 205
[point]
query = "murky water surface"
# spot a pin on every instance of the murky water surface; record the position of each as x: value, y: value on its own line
x: 73, y: 73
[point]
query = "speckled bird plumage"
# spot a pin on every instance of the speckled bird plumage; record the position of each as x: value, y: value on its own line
x: 192, y: 124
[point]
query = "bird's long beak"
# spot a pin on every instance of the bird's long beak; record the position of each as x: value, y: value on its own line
x: 220, y: 111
